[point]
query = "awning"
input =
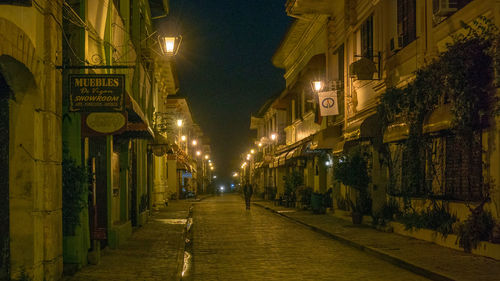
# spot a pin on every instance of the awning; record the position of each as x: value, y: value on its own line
x: 292, y: 153
x: 396, y: 132
x: 339, y: 147
x: 182, y: 166
x: 160, y: 145
x: 440, y: 119
x: 327, y: 138
x: 137, y: 124
x: 370, y: 127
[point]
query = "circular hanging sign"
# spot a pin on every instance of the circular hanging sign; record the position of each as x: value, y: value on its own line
x: 106, y: 122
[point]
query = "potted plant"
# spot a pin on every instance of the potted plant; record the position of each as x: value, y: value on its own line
x: 351, y: 170
x: 292, y: 181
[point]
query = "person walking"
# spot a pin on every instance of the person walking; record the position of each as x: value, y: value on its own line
x: 248, y: 191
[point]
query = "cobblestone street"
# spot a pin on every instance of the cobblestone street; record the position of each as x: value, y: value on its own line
x: 152, y: 253
x: 230, y: 243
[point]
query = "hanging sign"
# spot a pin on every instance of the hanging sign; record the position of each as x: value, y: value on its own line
x: 96, y: 92
x: 328, y: 103
x: 103, y: 123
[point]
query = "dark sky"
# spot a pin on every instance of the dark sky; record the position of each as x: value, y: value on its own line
x: 224, y: 66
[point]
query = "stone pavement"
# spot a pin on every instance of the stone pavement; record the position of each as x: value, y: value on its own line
x: 421, y: 257
x: 154, y: 251
x: 232, y: 243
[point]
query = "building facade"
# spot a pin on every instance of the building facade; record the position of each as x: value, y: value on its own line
x: 367, y: 52
x: 31, y: 148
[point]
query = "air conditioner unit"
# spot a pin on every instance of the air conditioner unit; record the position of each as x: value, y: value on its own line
x: 396, y: 43
x: 444, y: 7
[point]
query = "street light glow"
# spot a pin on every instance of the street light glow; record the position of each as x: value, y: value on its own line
x: 317, y: 85
x: 260, y: 144
x: 198, y: 153
x: 183, y: 138
x: 169, y: 45
x: 195, y: 142
x: 179, y: 122
x: 207, y: 156
x: 274, y: 136
x: 252, y: 151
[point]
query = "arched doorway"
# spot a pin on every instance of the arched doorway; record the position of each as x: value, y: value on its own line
x: 5, y: 94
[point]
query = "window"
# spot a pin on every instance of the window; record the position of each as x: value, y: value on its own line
x: 407, y: 30
x: 367, y: 38
x: 448, y: 7
x: 463, y: 172
x: 17, y: 2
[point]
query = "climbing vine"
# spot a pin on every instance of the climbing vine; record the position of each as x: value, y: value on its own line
x: 461, y: 76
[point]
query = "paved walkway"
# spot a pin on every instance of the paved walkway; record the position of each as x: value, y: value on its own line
x: 154, y: 252
x: 424, y: 258
x: 232, y: 243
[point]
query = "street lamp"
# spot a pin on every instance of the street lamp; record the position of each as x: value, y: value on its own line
x: 198, y: 153
x: 317, y: 85
x: 207, y: 157
x: 274, y: 136
x: 170, y: 45
x: 195, y: 142
x: 179, y: 123
x: 183, y: 138
x: 252, y: 151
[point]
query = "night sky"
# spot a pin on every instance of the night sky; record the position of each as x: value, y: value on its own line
x: 225, y: 70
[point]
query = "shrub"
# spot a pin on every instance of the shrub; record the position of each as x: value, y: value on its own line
x: 477, y: 227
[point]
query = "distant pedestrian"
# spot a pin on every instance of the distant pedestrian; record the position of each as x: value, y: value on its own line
x: 248, y: 191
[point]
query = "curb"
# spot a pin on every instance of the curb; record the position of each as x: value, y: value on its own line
x: 185, y: 244
x: 374, y: 252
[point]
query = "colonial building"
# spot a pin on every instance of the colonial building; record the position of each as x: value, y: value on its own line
x: 186, y: 163
x: 368, y: 52
x: 117, y: 146
x: 30, y: 145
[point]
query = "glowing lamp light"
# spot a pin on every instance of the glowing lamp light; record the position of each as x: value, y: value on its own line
x: 260, y: 144
x: 252, y: 151
x: 179, y: 123
x: 169, y: 44
x: 195, y: 142
x: 183, y: 138
x: 207, y: 156
x: 198, y: 153
x: 317, y: 85
x: 212, y: 168
x: 274, y: 137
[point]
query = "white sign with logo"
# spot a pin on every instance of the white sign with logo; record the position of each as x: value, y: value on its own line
x: 328, y: 103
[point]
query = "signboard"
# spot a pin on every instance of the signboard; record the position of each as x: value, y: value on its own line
x: 103, y: 123
x: 96, y: 92
x: 328, y: 103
